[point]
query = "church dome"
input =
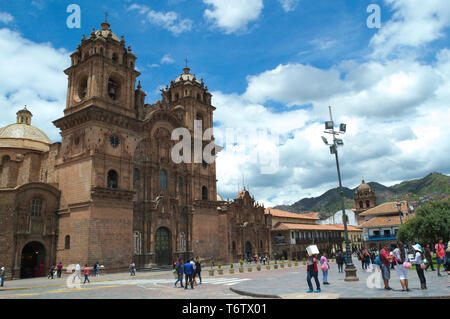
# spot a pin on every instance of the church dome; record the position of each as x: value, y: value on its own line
x: 24, y: 135
x: 220, y: 198
x: 363, y: 187
x: 105, y: 31
x: 186, y: 76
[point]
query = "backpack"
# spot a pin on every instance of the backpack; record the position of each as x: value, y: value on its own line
x: 378, y: 261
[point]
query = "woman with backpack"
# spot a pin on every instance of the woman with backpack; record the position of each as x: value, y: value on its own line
x: 400, y: 259
x: 420, y: 265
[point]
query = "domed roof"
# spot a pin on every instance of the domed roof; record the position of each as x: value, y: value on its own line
x: 219, y: 198
x: 105, y: 31
x: 24, y: 135
x: 186, y: 76
x: 363, y: 187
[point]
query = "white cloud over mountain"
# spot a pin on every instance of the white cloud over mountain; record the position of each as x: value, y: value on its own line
x: 395, y: 105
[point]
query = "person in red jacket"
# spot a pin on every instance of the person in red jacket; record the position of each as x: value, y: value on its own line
x: 86, y: 274
x: 440, y: 256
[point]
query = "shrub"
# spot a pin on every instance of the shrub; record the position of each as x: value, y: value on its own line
x: 231, y: 266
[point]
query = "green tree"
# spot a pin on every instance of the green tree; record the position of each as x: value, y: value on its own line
x: 430, y: 223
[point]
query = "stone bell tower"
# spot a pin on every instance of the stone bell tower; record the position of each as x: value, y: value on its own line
x: 102, y: 73
x: 190, y: 94
x: 99, y: 134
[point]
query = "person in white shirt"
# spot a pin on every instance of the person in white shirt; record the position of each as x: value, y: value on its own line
x: 77, y: 272
x: 419, y: 262
x: 401, y: 256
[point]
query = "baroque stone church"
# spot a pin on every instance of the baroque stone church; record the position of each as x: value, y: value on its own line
x: 109, y: 191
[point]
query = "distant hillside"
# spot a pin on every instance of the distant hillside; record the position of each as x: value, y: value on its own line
x: 432, y: 186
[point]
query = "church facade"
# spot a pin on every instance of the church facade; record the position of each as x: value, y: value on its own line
x: 110, y: 190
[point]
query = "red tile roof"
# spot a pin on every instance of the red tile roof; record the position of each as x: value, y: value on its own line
x: 290, y: 226
x: 282, y: 213
x: 386, y: 209
x: 384, y: 221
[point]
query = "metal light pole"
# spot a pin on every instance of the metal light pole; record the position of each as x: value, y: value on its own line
x: 350, y: 269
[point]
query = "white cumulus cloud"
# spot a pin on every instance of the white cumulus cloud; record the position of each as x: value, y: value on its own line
x: 233, y: 15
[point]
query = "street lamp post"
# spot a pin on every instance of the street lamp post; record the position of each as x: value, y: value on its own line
x: 350, y: 269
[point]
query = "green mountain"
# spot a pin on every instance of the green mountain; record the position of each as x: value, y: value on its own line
x: 432, y: 186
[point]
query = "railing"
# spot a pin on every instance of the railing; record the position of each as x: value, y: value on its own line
x: 382, y: 237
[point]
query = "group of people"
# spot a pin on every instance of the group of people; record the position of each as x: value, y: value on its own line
x: 86, y: 272
x: 422, y: 259
x: 191, y: 269
x: 55, y: 270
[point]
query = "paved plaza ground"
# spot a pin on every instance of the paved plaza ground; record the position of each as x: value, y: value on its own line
x: 288, y: 283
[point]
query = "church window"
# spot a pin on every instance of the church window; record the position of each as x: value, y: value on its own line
x: 176, y: 97
x: 367, y: 204
x: 180, y: 183
x: 114, y: 140
x: 131, y: 65
x: 163, y: 179
x: 115, y: 58
x: 113, y: 89
x: 113, y: 179
x: 36, y: 207
x: 82, y: 89
x: 204, y: 164
x: 233, y: 245
x: 5, y: 159
x: 199, y: 98
x: 204, y: 193
x: 67, y: 242
x: 137, y: 243
x: 361, y: 204
x: 137, y: 174
x: 261, y: 244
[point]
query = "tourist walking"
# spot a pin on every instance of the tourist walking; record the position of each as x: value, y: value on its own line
x: 429, y: 257
x: 420, y: 265
x: 198, y: 269
x: 340, y: 262
x: 385, y: 266
x: 86, y: 274
x: 2, y: 276
x: 193, y: 272
x: 188, y: 273
x: 179, y: 269
x: 440, y: 256
x: 325, y: 267
x: 401, y: 257
x: 95, y: 270
x: 312, y: 272
x: 366, y: 259
x: 132, y: 269
x: 59, y: 269
x: 51, y: 272
x: 77, y: 272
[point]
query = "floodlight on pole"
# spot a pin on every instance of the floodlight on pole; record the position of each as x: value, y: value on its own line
x: 329, y: 125
x: 324, y: 140
x: 350, y: 269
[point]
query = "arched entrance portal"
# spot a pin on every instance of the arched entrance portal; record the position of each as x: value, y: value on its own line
x: 162, y: 247
x: 248, y: 250
x: 32, y: 260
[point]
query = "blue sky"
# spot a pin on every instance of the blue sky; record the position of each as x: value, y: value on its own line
x: 273, y: 64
